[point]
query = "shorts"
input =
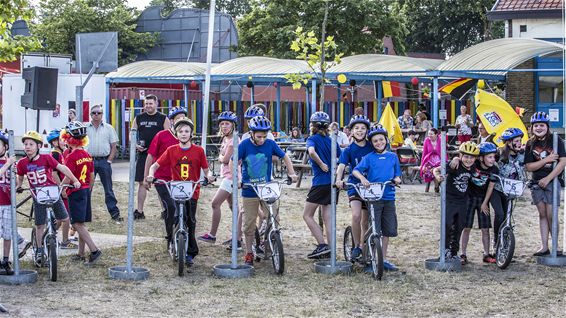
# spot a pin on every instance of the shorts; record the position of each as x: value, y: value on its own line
x: 226, y: 185
x: 543, y: 195
x: 6, y: 222
x: 464, y: 138
x: 356, y: 197
x: 320, y: 194
x: 474, y: 207
x: 41, y: 212
x: 80, y: 209
x: 140, y: 166
x: 251, y: 207
x: 388, y: 217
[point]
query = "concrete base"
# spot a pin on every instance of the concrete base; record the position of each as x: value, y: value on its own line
x: 227, y: 271
x: 121, y: 273
x: 548, y: 260
x: 448, y: 266
x: 325, y: 267
x: 25, y: 277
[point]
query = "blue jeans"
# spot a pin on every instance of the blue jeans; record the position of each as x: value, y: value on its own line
x: 104, y: 169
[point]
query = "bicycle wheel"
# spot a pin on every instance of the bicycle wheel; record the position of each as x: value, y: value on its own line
x: 52, y: 257
x: 376, y: 258
x: 505, y: 247
x: 348, y: 244
x: 277, y: 254
x: 181, y: 251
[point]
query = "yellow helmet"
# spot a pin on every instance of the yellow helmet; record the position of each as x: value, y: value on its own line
x: 33, y: 135
x: 469, y: 148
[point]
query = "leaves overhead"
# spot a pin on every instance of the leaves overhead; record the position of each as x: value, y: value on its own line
x: 12, y: 46
x: 235, y: 8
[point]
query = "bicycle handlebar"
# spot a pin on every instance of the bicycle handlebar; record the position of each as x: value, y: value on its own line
x: 288, y: 181
x: 34, y: 190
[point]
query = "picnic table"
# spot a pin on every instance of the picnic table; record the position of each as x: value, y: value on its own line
x: 300, y: 158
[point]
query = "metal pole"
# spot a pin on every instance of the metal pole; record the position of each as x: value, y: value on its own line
x: 252, y: 93
x: 435, y: 102
x: 564, y: 106
x: 333, y: 200
x: 206, y: 101
x: 555, y: 198
x: 16, y: 259
x: 133, y: 142
x: 443, y: 198
x: 186, y: 96
x: 235, y: 200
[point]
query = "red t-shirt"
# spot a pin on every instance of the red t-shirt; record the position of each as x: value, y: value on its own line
x: 163, y: 140
x: 57, y: 155
x: 184, y: 164
x: 81, y: 165
x: 39, y: 172
x: 66, y: 152
x: 5, y: 185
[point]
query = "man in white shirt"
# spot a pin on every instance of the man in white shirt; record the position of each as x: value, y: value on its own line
x: 341, y: 138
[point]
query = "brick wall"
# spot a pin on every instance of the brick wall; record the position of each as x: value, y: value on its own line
x: 521, y: 89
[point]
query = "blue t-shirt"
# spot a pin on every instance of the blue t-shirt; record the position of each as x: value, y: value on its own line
x: 381, y: 167
x: 352, y: 156
x: 256, y: 163
x: 322, y: 147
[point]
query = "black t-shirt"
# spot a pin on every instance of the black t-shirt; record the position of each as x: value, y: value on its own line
x: 149, y: 126
x: 457, y: 181
x: 480, y: 179
x: 540, y: 149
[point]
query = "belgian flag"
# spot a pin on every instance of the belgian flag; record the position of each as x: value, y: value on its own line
x: 459, y: 88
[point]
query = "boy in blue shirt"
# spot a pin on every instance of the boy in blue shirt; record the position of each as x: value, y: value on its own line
x: 254, y: 154
x: 381, y: 166
x: 352, y: 156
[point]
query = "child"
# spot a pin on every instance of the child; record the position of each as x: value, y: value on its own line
x: 80, y: 163
x: 254, y: 154
x: 185, y: 162
x: 38, y: 169
x: 227, y: 122
x: 380, y: 166
x: 5, y: 204
x: 319, y: 149
x: 410, y: 141
x: 539, y: 157
x: 352, y: 156
x: 457, y: 181
x: 479, y: 194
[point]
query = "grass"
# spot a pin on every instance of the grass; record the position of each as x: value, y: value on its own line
x: 525, y: 289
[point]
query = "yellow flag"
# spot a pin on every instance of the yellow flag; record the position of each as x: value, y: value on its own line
x: 389, y: 122
x: 497, y: 115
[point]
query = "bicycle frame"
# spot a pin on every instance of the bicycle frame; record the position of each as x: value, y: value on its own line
x: 512, y: 189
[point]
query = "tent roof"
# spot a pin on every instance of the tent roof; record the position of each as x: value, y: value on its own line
x: 259, y: 66
x: 153, y: 70
x: 385, y: 65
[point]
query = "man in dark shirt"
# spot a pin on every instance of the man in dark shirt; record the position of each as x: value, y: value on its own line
x: 148, y: 124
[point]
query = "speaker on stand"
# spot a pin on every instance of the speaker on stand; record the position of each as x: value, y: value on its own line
x: 40, y: 92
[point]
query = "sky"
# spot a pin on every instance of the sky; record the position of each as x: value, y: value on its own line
x: 140, y: 4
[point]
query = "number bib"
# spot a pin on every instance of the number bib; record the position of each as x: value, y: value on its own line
x: 513, y: 187
x: 268, y: 191
x: 182, y: 190
x: 373, y: 193
x: 45, y: 195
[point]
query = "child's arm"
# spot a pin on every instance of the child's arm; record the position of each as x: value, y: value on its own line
x: 8, y: 164
x: 340, y: 175
x: 291, y: 171
x: 485, y: 203
x: 19, y: 181
x: 361, y: 177
x: 455, y: 163
x: 437, y: 172
x: 536, y: 165
x: 148, y: 163
x: 150, y: 175
x: 314, y: 156
x: 225, y: 158
x: 68, y: 174
x: 544, y: 182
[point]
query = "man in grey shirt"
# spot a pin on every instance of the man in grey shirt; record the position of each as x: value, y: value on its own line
x: 102, y: 147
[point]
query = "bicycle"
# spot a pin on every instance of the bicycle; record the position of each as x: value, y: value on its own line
x: 47, y: 196
x: 180, y: 192
x: 269, y: 193
x: 372, y: 252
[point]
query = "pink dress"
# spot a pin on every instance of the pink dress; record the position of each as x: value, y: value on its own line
x: 430, y: 159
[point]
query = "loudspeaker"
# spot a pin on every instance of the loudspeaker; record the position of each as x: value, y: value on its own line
x: 41, y: 88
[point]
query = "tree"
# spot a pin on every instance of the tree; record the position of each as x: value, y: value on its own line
x: 357, y: 25
x: 235, y: 8
x: 12, y: 46
x: 60, y: 20
x: 440, y: 26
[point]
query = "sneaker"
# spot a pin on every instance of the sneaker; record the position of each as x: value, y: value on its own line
x: 118, y: 219
x: 229, y: 248
x: 249, y: 259
x: 388, y: 266
x: 73, y: 239
x: 78, y: 258
x: 189, y: 260
x: 356, y: 253
x: 139, y: 215
x: 490, y: 259
x: 207, y: 238
x: 542, y: 253
x: 7, y: 267
x: 68, y: 245
x: 93, y: 257
x: 23, y: 247
x: 227, y: 242
x: 319, y: 251
x: 463, y: 259
x: 38, y: 258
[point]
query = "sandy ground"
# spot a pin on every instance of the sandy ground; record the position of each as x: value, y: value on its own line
x: 524, y: 289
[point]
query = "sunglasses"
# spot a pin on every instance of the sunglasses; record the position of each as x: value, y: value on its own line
x: 96, y: 113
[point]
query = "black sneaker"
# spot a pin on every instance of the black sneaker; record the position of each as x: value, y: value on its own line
x: 139, y: 215
x: 238, y: 244
x: 7, y: 267
x: 320, y: 251
x: 93, y: 257
x: 38, y: 258
x: 118, y: 219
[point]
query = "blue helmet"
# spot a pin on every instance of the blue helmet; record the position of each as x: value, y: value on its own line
x: 54, y: 134
x: 320, y: 118
x: 539, y: 117
x: 4, y: 138
x: 487, y: 147
x: 227, y: 116
x: 359, y: 119
x: 377, y: 130
x: 259, y: 123
x: 511, y: 133
x: 176, y: 111
x: 253, y: 111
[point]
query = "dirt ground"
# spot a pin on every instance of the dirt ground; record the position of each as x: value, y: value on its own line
x: 524, y: 289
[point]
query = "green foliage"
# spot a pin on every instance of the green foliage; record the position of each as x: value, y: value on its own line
x: 12, y: 46
x: 357, y: 25
x: 235, y: 8
x: 60, y: 20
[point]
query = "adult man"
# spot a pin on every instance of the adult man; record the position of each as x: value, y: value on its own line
x: 406, y: 120
x: 148, y: 124
x: 341, y: 138
x: 102, y: 147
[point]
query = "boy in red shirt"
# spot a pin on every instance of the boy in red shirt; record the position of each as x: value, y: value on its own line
x: 185, y: 161
x: 5, y: 204
x: 81, y: 165
x: 38, y: 169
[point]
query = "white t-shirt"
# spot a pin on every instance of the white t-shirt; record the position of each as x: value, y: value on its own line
x: 341, y: 139
x: 464, y: 128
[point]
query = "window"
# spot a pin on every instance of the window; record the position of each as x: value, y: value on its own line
x: 523, y: 28
x: 550, y: 89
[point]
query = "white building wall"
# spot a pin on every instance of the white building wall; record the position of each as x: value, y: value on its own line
x: 536, y: 28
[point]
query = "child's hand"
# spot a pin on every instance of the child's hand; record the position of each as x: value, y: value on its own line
x: 340, y: 184
x: 543, y: 183
x: 324, y: 167
x: 294, y: 178
x: 11, y: 160
x: 149, y: 179
x: 77, y: 184
x: 454, y: 163
x: 365, y: 182
x: 485, y: 208
x: 440, y: 178
x: 397, y: 180
x: 551, y: 158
